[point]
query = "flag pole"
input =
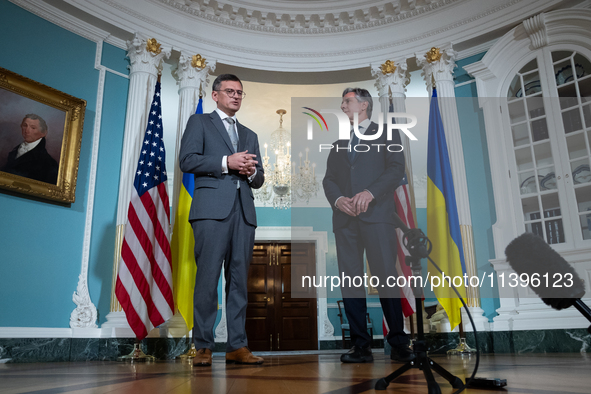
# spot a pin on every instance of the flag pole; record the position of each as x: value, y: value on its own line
x: 137, y: 354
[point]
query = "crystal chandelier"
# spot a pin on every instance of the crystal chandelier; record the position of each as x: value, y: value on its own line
x: 282, y: 186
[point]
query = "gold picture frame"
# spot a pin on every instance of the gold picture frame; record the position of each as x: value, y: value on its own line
x: 63, y: 116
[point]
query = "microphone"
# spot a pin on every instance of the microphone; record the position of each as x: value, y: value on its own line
x: 559, y: 286
x: 399, y: 223
x: 415, y: 241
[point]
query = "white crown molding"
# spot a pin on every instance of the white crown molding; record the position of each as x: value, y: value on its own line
x: 343, y: 47
x: 299, y: 20
x: 476, y: 49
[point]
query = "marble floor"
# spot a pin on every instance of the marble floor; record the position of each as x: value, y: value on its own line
x: 294, y: 374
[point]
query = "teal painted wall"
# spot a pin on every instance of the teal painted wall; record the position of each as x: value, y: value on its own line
x: 480, y: 190
x: 42, y: 241
x: 104, y: 220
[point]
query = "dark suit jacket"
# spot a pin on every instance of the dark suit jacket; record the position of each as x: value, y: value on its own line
x: 379, y: 172
x: 203, y: 145
x: 35, y: 164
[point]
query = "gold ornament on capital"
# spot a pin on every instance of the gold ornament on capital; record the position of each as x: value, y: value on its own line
x: 434, y: 55
x: 388, y: 67
x: 198, y: 62
x: 153, y: 46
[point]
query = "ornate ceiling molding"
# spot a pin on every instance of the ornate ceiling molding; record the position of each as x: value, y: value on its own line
x: 295, y: 20
x: 297, y: 54
x: 240, y: 33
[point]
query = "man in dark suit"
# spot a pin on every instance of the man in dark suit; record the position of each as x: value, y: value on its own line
x: 360, y: 187
x: 30, y: 158
x: 224, y: 157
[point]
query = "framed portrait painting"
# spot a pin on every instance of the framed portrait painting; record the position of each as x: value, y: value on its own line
x: 40, y: 137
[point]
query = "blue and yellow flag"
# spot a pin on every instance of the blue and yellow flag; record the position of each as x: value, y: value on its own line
x: 183, y: 243
x: 443, y: 225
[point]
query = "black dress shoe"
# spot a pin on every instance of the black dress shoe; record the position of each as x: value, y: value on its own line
x: 402, y: 353
x: 357, y: 355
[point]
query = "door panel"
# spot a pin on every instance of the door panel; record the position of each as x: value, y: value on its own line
x: 275, y: 320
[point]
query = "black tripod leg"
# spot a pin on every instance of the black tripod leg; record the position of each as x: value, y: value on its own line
x: 432, y: 386
x: 384, y: 382
x: 455, y: 382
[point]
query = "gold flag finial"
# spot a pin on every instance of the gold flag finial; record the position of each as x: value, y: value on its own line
x: 153, y: 46
x: 198, y: 62
x: 388, y: 67
x: 434, y: 55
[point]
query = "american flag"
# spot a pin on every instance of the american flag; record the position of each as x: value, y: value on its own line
x: 144, y: 281
x: 404, y: 210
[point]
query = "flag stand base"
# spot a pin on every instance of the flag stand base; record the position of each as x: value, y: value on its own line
x: 461, y: 349
x: 137, y: 356
x: 190, y: 354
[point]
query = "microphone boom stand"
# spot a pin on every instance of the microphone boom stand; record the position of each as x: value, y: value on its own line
x: 419, y: 247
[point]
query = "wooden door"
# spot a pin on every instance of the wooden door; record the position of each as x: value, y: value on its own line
x: 275, y: 320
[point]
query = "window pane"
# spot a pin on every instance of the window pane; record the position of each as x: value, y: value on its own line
x: 520, y: 135
x: 539, y: 129
x: 571, y: 120
x: 535, y: 228
x: 576, y: 146
x: 515, y: 88
x: 580, y: 171
x: 560, y: 55
x: 543, y: 155
x: 516, y: 111
x: 582, y: 65
x: 583, y: 198
x: 587, y: 115
x: 527, y: 182
x: 585, y: 89
x: 523, y: 159
x: 568, y: 96
x: 554, y: 229
x: 535, y: 106
x: 531, y: 208
x: 563, y: 72
x: 529, y: 66
x: 532, y: 83
x: 586, y: 225
x: 551, y: 205
x: 547, y: 178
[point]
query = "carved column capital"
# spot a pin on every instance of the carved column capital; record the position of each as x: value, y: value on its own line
x: 192, y: 71
x: 391, y: 77
x: 437, y: 64
x: 146, y: 55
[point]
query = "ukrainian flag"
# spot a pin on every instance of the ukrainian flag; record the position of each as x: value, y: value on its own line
x: 443, y: 226
x: 183, y: 243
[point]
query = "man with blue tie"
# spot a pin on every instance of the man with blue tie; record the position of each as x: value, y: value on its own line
x: 359, y: 184
x: 224, y: 157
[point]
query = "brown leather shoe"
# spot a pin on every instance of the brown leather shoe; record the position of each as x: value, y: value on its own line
x: 203, y: 358
x: 243, y: 356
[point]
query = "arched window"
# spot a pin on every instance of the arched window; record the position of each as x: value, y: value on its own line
x: 549, y: 115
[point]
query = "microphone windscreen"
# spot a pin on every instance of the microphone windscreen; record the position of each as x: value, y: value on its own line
x: 548, y: 274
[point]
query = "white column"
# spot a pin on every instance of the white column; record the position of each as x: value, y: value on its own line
x: 391, y: 81
x: 191, y: 74
x: 192, y: 78
x: 438, y: 69
x: 145, y: 65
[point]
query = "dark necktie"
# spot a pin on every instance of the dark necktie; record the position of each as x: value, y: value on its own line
x: 354, y: 142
